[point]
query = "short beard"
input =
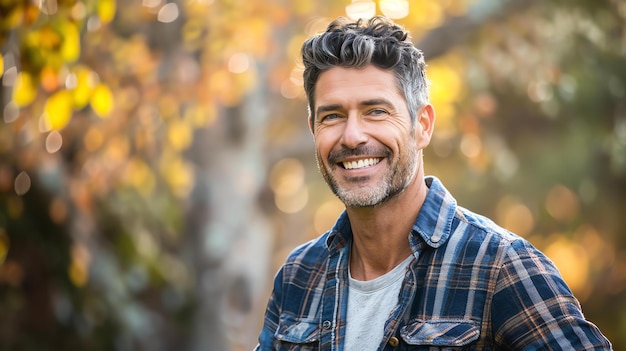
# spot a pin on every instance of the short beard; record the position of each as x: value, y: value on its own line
x: 395, y: 182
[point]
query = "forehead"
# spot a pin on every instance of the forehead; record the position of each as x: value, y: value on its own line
x: 343, y: 85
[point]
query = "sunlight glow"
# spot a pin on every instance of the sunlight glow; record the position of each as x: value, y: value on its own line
x: 239, y: 63
x: 287, y: 181
x: 11, y: 112
x: 572, y: 260
x: 49, y: 7
x: 152, y: 3
x: 292, y: 202
x: 287, y: 176
x: 394, y: 8
x: 361, y: 9
x: 168, y: 13
x: 54, y: 141
x: 515, y: 216
x: 471, y: 145
x: 327, y: 214
x: 562, y: 203
x: 22, y: 183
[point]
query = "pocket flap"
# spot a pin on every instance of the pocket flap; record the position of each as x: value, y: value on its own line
x: 440, y: 333
x: 297, y: 330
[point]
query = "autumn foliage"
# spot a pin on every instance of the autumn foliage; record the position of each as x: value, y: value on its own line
x: 156, y: 166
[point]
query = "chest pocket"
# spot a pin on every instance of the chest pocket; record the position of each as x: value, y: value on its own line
x: 440, y: 335
x: 295, y: 333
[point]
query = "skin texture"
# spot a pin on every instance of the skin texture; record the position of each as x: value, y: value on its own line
x: 361, y: 115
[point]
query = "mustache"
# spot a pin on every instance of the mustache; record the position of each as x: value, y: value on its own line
x: 344, y: 152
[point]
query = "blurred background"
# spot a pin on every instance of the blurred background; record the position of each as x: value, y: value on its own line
x: 156, y: 167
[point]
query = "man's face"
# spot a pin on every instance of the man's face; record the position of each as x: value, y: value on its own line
x: 366, y: 146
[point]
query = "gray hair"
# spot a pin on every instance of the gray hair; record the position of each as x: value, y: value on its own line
x: 356, y: 44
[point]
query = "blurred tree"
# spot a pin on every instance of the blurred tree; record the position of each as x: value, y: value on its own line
x: 156, y: 167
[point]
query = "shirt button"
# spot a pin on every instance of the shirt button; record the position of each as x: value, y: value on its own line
x: 326, y: 325
x: 394, y: 341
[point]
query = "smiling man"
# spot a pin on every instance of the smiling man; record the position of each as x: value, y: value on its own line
x: 367, y: 145
x: 404, y: 267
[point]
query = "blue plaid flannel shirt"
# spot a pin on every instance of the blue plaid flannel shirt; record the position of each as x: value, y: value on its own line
x: 472, y: 286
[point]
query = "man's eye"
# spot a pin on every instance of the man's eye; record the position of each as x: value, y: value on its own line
x: 377, y: 112
x: 330, y: 117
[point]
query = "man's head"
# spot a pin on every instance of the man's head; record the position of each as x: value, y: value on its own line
x: 378, y: 42
x: 369, y: 113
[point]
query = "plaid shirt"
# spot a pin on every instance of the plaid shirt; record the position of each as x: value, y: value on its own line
x: 471, y: 286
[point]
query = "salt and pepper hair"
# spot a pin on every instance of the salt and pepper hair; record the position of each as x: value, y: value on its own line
x: 356, y: 44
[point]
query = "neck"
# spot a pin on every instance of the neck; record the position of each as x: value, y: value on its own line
x: 380, y: 234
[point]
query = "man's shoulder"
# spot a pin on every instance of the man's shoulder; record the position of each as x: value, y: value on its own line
x: 444, y: 217
x: 310, y: 252
x: 483, y: 229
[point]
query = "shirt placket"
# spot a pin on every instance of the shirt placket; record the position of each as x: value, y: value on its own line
x: 334, y: 302
x: 391, y: 338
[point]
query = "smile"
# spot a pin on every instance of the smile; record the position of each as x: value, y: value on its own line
x: 367, y: 162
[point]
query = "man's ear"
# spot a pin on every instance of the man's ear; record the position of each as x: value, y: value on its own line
x: 425, y: 124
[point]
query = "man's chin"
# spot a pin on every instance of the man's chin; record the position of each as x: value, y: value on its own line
x: 361, y: 199
x: 367, y: 197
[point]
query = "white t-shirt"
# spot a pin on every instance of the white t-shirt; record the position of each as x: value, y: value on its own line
x: 369, y: 305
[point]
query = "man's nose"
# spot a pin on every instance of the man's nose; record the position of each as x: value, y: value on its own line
x: 353, y: 133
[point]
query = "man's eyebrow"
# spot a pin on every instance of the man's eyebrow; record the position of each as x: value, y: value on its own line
x: 335, y: 107
x: 374, y: 102
x: 326, y: 108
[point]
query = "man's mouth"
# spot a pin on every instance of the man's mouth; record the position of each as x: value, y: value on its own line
x: 366, y: 162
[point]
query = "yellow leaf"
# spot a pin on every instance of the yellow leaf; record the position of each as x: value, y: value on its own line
x: 30, y: 13
x: 106, y: 10
x: 222, y: 86
x: 93, y: 139
x: 179, y: 135
x: 25, y: 90
x: 86, y: 81
x: 139, y: 175
x: 4, y: 245
x: 426, y: 14
x: 14, y: 19
x: 102, y: 100
x: 58, y: 109
x: 302, y: 6
x: 1, y: 65
x: 79, y: 267
x: 446, y: 84
x: 117, y: 149
x: 70, y: 47
x: 49, y: 38
x: 178, y: 173
x: 78, y: 274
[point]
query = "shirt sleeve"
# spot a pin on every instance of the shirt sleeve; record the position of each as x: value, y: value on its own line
x: 533, y: 308
x: 272, y: 314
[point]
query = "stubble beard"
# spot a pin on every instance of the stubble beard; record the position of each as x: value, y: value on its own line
x: 359, y: 195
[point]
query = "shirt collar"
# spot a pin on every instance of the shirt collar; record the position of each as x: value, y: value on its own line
x: 340, y: 234
x: 433, y: 224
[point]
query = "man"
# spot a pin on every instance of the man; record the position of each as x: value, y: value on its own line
x: 404, y: 267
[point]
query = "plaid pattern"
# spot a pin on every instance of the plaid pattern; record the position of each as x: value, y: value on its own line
x: 471, y: 286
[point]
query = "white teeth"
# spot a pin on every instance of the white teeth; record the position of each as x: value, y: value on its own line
x: 360, y: 163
